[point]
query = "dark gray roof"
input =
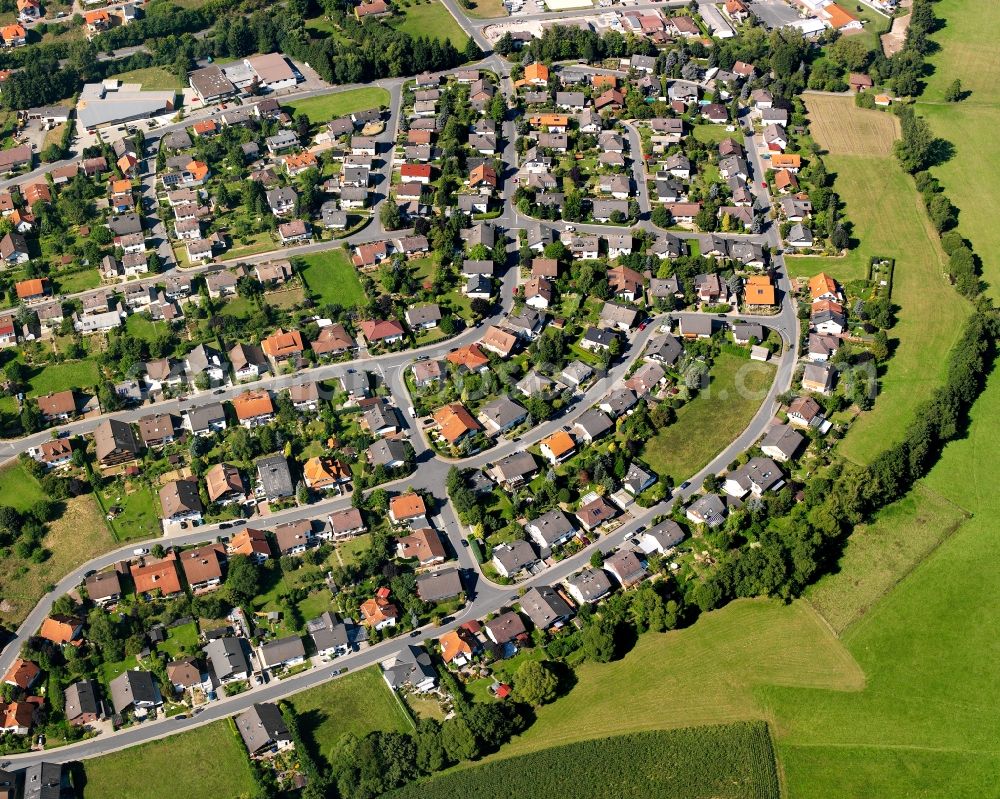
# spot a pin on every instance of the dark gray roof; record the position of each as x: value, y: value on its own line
x: 80, y: 698
x: 515, y: 556
x: 594, y: 423
x: 281, y: 650
x: 411, y: 665
x: 551, y: 526
x: 228, y: 656
x: 517, y: 465
x: 441, y: 584
x: 667, y: 534
x: 385, y: 452
x: 43, y: 781
x: 202, y: 416
x: 327, y: 631
x: 544, y: 606
x: 133, y: 687
x: 591, y: 583
x: 262, y: 726
x: 275, y: 476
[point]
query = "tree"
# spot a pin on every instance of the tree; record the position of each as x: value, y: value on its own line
x: 457, y: 739
x: 840, y: 239
x: 954, y: 93
x: 661, y: 217
x: 389, y: 215
x: 850, y: 53
x: 242, y: 579
x: 599, y: 641
x: 535, y: 683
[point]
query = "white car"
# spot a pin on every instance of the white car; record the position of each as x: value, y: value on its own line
x: 140, y: 551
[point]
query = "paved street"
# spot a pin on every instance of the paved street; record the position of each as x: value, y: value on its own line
x: 484, y: 596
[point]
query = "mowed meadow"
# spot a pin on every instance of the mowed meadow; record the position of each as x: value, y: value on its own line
x: 888, y: 218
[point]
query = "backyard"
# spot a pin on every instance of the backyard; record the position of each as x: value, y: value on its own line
x: 358, y: 703
x: 716, y: 416
x: 332, y: 279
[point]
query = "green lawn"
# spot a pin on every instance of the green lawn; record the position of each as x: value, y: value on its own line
x: 892, y: 223
x: 77, y: 281
x: 486, y: 9
x: 110, y: 670
x: 146, y: 329
x: 431, y: 19
x: 151, y: 78
x: 143, y: 772
x: 18, y: 488
x: 329, y: 106
x: 706, y: 424
x: 140, y: 516
x: 711, y: 134
x: 878, y: 555
x: 358, y: 703
x: 730, y: 762
x: 331, y: 278
x: 705, y: 674
x: 968, y: 52
x: 62, y: 376
x: 183, y: 637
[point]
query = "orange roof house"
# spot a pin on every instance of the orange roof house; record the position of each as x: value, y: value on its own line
x: 379, y: 612
x: 300, y: 162
x: 823, y: 287
x: 839, y: 18
x: 252, y: 543
x: 32, y: 289
x: 604, y: 81
x: 536, y: 73
x: 826, y: 305
x: 60, y: 629
x: 410, y: 172
x: 205, y: 127
x: 22, y: 674
x: 13, y: 34
x: 121, y: 186
x: 549, y: 120
x: 97, y: 19
x: 253, y: 404
x: 127, y: 163
x: 471, y: 357
x: 320, y: 473
x: 281, y: 345
x: 157, y: 575
x: 199, y: 170
x: 18, y: 716
x: 759, y: 291
x: 407, y: 506
x: 483, y: 174
x: 499, y: 341
x: 786, y: 161
x: 37, y: 192
x: 785, y: 181
x: 557, y: 446
x: 455, y: 422
x: 459, y: 644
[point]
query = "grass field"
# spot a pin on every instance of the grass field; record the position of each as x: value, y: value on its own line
x: 731, y: 762
x: 868, y: 133
x: 76, y: 537
x: 358, y: 703
x: 486, y: 9
x: 712, y: 419
x: 331, y: 278
x: 143, y: 772
x: 62, y: 376
x: 883, y: 552
x: 968, y: 52
x: 711, y: 134
x: 151, y: 78
x: 329, y: 106
x: 891, y: 222
x: 431, y: 19
x: 702, y: 675
x: 77, y: 281
x: 18, y: 488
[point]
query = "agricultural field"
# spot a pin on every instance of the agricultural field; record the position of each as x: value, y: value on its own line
x: 702, y: 675
x: 329, y: 106
x: 869, y: 133
x: 358, y: 703
x: 428, y: 18
x: 968, y: 52
x: 706, y: 424
x: 74, y: 538
x: 128, y: 773
x: 891, y: 223
x: 881, y: 553
x: 731, y: 762
x: 331, y: 278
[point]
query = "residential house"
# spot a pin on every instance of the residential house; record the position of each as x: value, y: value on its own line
x: 551, y: 529
x: 756, y: 477
x: 505, y: 628
x: 782, y: 442
x: 229, y: 658
x: 439, y: 585
x: 81, y: 704
x: 179, y: 501
x: 589, y: 586
x: 626, y: 567
x: 135, y: 691
x: 263, y: 730
x: 253, y: 408
x: 203, y: 567
x: 510, y: 559
x: 224, y: 484
x: 558, y: 447
x: 115, y: 443
x: 281, y: 653
x: 274, y: 477
x: 423, y: 545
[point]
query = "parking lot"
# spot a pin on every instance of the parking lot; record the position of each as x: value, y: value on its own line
x: 774, y: 13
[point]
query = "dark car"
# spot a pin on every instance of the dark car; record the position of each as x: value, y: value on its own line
x: 685, y: 485
x: 447, y: 619
x: 225, y: 526
x: 415, y: 633
x: 239, y: 522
